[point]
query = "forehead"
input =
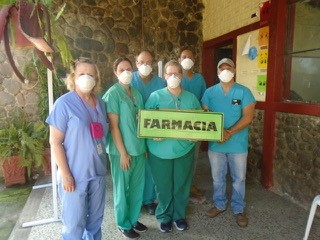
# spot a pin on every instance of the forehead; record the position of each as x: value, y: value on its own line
x: 144, y: 55
x: 187, y: 53
x: 225, y: 66
x: 85, y: 68
x: 172, y: 69
x: 124, y: 65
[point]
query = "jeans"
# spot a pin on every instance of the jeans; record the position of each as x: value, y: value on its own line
x: 237, y: 163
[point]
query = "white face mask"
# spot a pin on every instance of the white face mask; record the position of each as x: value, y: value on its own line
x: 85, y: 83
x: 145, y: 70
x: 226, y: 76
x: 173, y: 81
x: 125, y: 77
x: 187, y: 63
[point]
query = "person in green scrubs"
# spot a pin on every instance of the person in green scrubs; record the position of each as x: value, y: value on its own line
x: 171, y: 160
x: 127, y: 152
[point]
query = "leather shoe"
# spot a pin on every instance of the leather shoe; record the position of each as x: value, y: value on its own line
x: 242, y: 220
x: 213, y: 212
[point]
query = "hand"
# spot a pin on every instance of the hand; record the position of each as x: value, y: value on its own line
x: 226, y: 136
x: 157, y: 139
x: 68, y: 183
x: 125, y: 160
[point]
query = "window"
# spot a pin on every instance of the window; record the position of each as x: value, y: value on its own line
x: 302, y: 52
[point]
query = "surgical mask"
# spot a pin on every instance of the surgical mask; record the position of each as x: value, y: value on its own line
x: 125, y: 77
x: 187, y: 63
x: 226, y: 76
x: 145, y: 69
x: 85, y: 83
x: 173, y: 81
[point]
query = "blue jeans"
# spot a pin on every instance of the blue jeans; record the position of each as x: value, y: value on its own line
x: 237, y: 163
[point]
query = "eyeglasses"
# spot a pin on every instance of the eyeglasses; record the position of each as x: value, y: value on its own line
x: 146, y: 62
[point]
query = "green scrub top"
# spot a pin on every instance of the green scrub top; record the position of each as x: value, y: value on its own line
x: 126, y: 107
x: 163, y: 99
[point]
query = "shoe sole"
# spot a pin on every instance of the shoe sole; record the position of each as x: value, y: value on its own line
x: 126, y: 236
x: 164, y: 231
x: 211, y: 216
x: 179, y: 229
x: 138, y: 231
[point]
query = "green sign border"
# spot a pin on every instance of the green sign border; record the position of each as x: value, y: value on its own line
x: 194, y: 124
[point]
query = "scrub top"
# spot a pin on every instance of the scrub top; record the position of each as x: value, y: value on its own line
x: 163, y: 99
x: 195, y: 85
x: 146, y: 89
x: 73, y: 116
x: 127, y: 108
x: 231, y: 105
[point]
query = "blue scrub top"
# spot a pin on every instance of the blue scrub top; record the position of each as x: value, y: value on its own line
x: 195, y: 85
x: 127, y: 108
x: 71, y: 116
x: 146, y: 89
x: 231, y: 105
x: 163, y: 99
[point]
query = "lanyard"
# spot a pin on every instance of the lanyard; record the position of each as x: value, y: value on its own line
x: 83, y: 104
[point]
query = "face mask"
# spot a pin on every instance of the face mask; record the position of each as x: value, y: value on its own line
x: 187, y: 63
x: 85, y: 83
x: 173, y: 81
x: 226, y: 76
x: 145, y: 70
x: 125, y: 77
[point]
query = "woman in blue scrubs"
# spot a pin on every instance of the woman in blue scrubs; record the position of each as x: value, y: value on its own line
x: 126, y: 151
x: 78, y: 129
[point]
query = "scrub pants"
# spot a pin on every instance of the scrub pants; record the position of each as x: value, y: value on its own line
x: 149, y: 194
x: 128, y: 188
x: 82, y: 210
x: 172, y: 178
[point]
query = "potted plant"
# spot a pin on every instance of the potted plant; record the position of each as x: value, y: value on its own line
x: 21, y: 148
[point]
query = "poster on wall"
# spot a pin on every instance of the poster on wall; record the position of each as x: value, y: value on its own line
x: 252, y: 61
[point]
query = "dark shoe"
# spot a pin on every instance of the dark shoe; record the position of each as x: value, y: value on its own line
x: 213, y: 212
x: 129, y: 233
x: 151, y: 208
x: 166, y: 227
x: 181, y: 225
x: 195, y: 192
x: 241, y: 219
x: 139, y: 227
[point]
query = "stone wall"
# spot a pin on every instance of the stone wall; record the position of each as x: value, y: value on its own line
x: 106, y: 29
x: 297, y: 157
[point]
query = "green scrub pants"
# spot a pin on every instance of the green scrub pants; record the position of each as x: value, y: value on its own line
x: 172, y: 178
x: 128, y: 188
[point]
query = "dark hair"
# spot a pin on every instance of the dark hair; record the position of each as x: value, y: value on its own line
x: 147, y: 51
x: 119, y: 60
x: 186, y: 48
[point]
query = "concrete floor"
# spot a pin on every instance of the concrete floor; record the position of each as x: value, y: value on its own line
x: 270, y: 217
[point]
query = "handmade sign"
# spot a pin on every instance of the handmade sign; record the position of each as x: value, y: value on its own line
x: 193, y: 125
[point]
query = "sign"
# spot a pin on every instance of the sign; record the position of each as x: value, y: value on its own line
x: 193, y: 125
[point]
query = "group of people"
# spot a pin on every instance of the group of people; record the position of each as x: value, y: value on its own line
x: 156, y: 173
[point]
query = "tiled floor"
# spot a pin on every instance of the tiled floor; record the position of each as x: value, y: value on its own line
x: 270, y: 217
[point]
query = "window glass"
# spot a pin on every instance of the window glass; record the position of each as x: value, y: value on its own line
x: 302, y: 58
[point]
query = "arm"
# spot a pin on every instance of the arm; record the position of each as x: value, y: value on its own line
x: 245, y: 120
x: 117, y: 138
x: 59, y: 155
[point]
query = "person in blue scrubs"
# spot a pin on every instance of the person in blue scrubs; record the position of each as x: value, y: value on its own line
x: 171, y: 160
x: 78, y: 128
x: 237, y: 104
x: 127, y: 152
x: 194, y: 83
x: 146, y: 83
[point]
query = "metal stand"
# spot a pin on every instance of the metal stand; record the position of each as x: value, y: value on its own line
x: 53, y: 170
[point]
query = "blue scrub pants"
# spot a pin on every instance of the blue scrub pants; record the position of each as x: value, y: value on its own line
x: 82, y: 210
x: 128, y: 188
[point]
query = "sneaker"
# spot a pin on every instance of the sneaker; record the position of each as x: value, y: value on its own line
x: 213, y: 212
x: 181, y: 224
x: 139, y: 227
x: 151, y: 208
x: 129, y: 233
x: 241, y: 219
x: 166, y: 227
